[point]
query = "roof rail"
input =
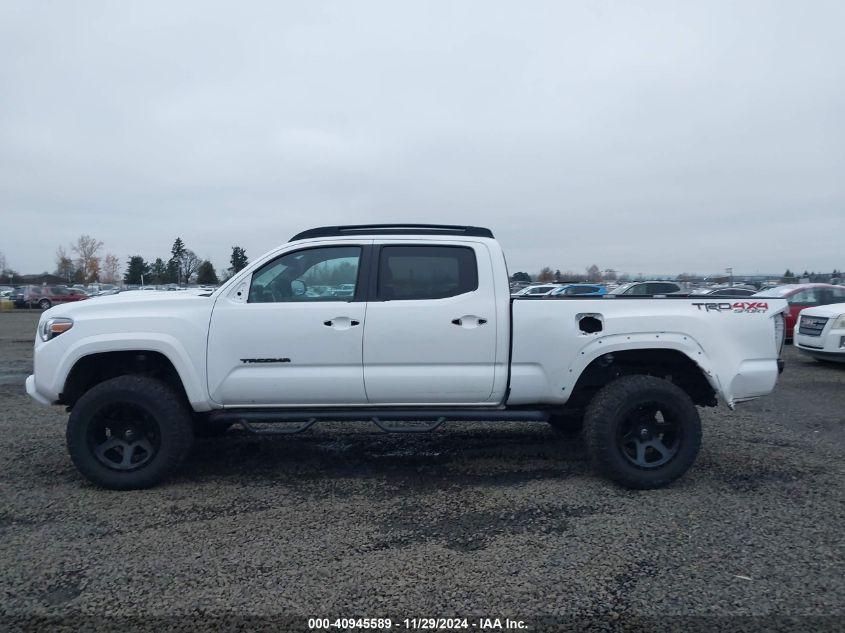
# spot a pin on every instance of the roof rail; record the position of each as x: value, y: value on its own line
x: 393, y: 229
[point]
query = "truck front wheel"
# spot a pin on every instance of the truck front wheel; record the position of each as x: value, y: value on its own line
x: 129, y: 432
x: 642, y: 432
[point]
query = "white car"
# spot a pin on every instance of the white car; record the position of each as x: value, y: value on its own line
x: 646, y: 288
x: 428, y: 334
x: 820, y: 332
x: 537, y: 291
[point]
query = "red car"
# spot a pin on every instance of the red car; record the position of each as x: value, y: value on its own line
x: 45, y: 296
x: 800, y: 296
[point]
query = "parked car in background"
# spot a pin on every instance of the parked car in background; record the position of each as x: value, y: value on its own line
x: 26, y: 296
x: 100, y: 290
x: 729, y: 291
x: 800, y: 296
x: 579, y: 289
x: 46, y: 297
x: 536, y: 291
x: 647, y: 288
x: 821, y: 332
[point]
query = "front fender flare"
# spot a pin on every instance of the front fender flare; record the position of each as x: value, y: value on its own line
x: 165, y: 344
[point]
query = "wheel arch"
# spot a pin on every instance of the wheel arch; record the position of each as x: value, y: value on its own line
x: 675, y: 357
x: 95, y: 367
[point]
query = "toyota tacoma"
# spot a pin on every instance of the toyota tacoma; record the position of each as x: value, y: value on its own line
x: 407, y: 326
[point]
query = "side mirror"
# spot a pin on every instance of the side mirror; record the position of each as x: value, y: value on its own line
x: 298, y: 288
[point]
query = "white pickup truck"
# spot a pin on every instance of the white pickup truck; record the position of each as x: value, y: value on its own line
x: 405, y: 325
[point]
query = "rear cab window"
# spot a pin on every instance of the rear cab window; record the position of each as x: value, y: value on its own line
x: 416, y: 272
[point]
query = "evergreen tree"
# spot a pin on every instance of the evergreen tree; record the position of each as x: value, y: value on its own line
x: 178, y: 248
x: 238, y: 260
x: 206, y: 274
x: 136, y: 267
x: 172, y: 272
x: 158, y: 272
x: 177, y: 252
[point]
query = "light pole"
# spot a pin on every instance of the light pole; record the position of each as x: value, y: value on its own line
x: 730, y: 272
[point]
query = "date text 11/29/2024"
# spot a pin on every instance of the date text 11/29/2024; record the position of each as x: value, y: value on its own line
x: 430, y: 624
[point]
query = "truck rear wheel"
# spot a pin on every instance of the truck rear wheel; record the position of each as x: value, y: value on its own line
x: 129, y: 432
x: 642, y: 432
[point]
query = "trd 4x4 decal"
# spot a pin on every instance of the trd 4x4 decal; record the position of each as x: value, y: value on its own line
x: 738, y: 306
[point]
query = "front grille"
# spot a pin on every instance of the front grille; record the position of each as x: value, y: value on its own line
x: 812, y: 326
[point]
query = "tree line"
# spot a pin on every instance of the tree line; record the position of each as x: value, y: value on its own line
x: 592, y: 274
x: 183, y: 267
x: 85, y: 265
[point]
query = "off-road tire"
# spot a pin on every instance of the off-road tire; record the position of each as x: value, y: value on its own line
x: 612, y: 405
x: 567, y: 424
x: 159, y: 401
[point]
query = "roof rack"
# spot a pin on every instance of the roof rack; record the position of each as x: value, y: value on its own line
x: 393, y: 229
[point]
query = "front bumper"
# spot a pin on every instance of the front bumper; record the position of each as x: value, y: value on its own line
x: 829, y: 344
x: 837, y: 357
x: 33, y: 392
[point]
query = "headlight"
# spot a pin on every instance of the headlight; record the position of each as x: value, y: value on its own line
x: 54, y: 326
x: 839, y: 324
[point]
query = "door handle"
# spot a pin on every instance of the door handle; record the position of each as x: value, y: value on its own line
x: 341, y: 323
x: 469, y: 321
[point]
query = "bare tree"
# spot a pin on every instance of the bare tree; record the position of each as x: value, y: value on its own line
x: 546, y: 275
x: 86, y: 249
x: 189, y: 263
x: 111, y: 268
x: 64, y: 264
x: 593, y: 273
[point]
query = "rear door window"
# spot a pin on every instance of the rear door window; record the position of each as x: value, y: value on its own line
x: 426, y: 272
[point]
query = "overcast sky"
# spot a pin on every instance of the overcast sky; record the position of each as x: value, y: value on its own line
x: 642, y: 136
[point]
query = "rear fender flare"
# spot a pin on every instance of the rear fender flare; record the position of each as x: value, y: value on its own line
x: 601, y: 345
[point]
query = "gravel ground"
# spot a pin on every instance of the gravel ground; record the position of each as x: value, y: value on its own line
x: 502, y: 520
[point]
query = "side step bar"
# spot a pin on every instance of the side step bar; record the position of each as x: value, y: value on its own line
x: 388, y: 420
